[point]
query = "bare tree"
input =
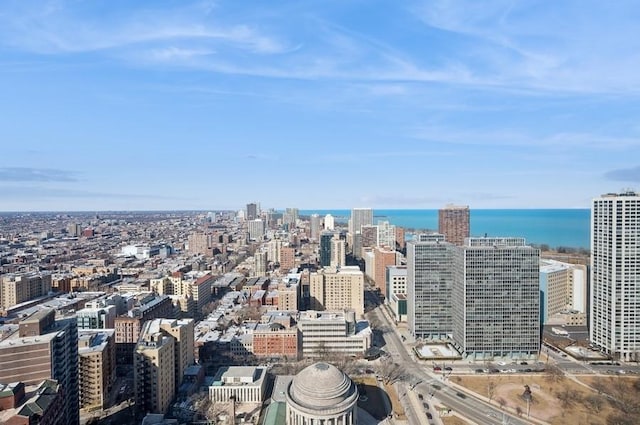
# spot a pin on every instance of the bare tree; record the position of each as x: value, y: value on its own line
x: 249, y: 313
x: 216, y: 410
x: 554, y: 373
x: 600, y: 386
x: 620, y: 419
x: 527, y: 395
x: 623, y: 397
x: 567, y: 397
x: 593, y: 402
x: 491, y: 388
x: 392, y: 372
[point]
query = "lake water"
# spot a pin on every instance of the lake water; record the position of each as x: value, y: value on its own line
x: 554, y: 227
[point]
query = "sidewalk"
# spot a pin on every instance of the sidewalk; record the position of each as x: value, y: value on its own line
x: 408, y: 342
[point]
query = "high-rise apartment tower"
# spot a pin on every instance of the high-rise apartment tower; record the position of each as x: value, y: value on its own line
x: 429, y: 286
x: 252, y: 211
x: 360, y: 217
x: 496, y: 298
x: 44, y: 348
x: 615, y: 275
x: 453, y: 223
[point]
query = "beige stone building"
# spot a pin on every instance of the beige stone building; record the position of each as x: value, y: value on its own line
x: 21, y: 287
x: 564, y: 292
x: 154, y: 370
x: 288, y: 295
x: 338, y: 289
x: 182, y: 332
x: 96, y: 367
x: 190, y: 291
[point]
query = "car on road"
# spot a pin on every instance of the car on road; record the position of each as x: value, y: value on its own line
x: 461, y: 395
x: 429, y: 416
x: 448, y: 368
x: 524, y: 363
x: 437, y: 368
x: 479, y: 370
x: 420, y: 396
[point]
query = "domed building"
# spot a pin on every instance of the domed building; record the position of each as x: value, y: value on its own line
x: 321, y: 394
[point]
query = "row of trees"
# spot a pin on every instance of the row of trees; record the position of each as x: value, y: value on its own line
x: 620, y: 393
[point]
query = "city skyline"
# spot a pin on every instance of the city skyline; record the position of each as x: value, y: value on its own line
x: 207, y: 105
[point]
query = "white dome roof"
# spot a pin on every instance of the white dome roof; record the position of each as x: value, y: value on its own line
x: 322, y: 386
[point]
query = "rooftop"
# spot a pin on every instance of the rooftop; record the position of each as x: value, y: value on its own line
x: 240, y: 375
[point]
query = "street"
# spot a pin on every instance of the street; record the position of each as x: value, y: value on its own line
x: 458, y: 399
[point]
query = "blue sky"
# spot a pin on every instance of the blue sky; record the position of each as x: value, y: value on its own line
x: 143, y: 105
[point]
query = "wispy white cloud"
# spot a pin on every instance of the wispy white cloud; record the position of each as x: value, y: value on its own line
x: 574, y: 46
x: 64, y: 30
x: 30, y: 174
x: 507, y: 54
x: 559, y: 141
x: 171, y: 53
x: 501, y: 45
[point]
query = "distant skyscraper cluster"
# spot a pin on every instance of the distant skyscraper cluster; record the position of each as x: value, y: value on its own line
x: 218, y: 287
